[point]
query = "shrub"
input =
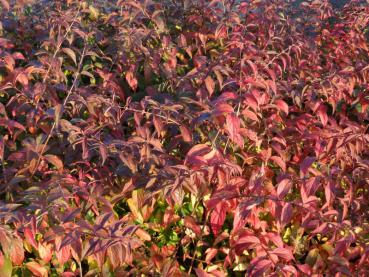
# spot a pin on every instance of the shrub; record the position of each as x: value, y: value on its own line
x: 184, y: 137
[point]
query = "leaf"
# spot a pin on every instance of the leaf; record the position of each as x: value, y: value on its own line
x: 286, y: 214
x: 55, y: 160
x: 158, y: 20
x: 280, y: 162
x: 70, y: 54
x: 142, y: 234
x: 5, y: 4
x: 196, y: 152
x: 282, y: 106
x: 158, y: 124
x: 218, y: 216
x: 246, y: 242
x: 283, y: 188
x: 37, y: 269
x: 210, y: 254
x: 210, y: 85
x: 312, y: 257
x: 94, y: 13
x: 190, y: 222
x: 233, y: 128
x: 322, y: 114
x: 15, y: 251
x: 45, y: 252
x: 116, y: 254
x: 259, y: 267
x: 305, y: 165
x: 62, y: 253
x: 30, y: 237
x: 103, y: 153
x: 186, y: 134
x: 283, y: 253
x: 243, y: 210
x: 251, y: 115
x: 202, y: 273
x: 131, y: 80
x: 6, y: 268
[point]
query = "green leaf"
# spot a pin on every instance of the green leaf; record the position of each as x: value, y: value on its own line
x: 7, y: 268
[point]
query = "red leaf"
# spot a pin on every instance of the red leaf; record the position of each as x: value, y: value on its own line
x: 322, y: 113
x: 218, y: 216
x: 283, y: 253
x: 259, y: 267
x: 246, y: 241
x: 233, y: 128
x: 30, y: 237
x: 243, y: 210
x: 222, y: 108
x: 286, y: 214
x: 280, y: 162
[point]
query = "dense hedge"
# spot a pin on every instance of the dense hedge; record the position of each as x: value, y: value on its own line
x: 167, y: 138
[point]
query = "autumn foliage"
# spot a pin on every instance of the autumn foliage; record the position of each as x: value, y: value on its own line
x: 176, y: 138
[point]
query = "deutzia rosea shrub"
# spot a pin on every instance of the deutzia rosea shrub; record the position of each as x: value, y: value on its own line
x: 184, y: 137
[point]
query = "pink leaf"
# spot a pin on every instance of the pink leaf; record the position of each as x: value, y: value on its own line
x: 306, y: 163
x: 304, y: 268
x: 283, y: 253
x: 282, y: 106
x: 280, y: 162
x: 131, y: 80
x: 210, y: 254
x: 322, y: 114
x: 233, y: 128
x: 251, y: 115
x: 186, y: 134
x: 283, y: 188
x: 202, y: 273
x: 259, y: 267
x: 222, y: 108
x: 286, y: 214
